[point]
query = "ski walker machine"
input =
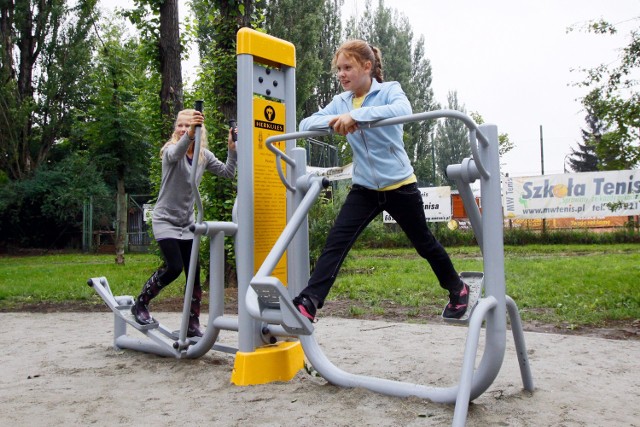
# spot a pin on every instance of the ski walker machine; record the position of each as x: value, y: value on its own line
x: 270, y: 229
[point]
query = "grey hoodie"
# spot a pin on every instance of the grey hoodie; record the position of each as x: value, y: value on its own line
x: 173, y: 213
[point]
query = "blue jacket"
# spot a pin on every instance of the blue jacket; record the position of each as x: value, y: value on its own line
x: 379, y: 157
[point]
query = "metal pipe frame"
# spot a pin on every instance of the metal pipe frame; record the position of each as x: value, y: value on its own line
x: 161, y: 340
x: 491, y: 309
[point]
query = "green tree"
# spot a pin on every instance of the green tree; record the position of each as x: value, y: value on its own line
x: 216, y: 25
x: 51, y: 45
x: 614, y: 98
x: 117, y: 131
x: 419, y: 141
x: 44, y: 210
x: 404, y: 61
x: 170, y: 55
x: 327, y: 85
x: 585, y: 159
x: 451, y: 141
x: 158, y: 23
x: 300, y: 23
x: 504, y: 142
x: 386, y: 29
x: 315, y: 30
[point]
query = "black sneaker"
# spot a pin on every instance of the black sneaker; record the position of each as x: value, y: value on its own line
x: 305, y: 306
x: 457, y: 303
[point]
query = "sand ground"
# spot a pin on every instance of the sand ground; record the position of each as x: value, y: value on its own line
x: 62, y: 369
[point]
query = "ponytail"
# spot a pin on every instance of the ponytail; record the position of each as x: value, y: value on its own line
x: 376, y: 69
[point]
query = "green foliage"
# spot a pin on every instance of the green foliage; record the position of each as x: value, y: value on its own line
x: 585, y: 159
x: 570, y: 286
x: 451, y: 141
x: 504, y: 143
x: 302, y: 24
x: 528, y: 237
x: 403, y: 60
x: 119, y: 122
x: 42, y: 85
x: 613, y: 98
x: 216, y: 25
x: 321, y: 217
x: 46, y: 209
x: 326, y: 83
x: 146, y: 17
x: 419, y: 139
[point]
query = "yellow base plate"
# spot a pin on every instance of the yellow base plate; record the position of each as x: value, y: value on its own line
x: 278, y: 362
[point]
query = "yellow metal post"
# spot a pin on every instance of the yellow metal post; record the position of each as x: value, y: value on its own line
x: 266, y: 107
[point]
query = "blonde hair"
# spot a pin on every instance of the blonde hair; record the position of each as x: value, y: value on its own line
x: 175, y: 137
x: 362, y: 52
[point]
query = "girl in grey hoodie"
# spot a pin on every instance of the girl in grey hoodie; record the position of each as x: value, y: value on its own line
x: 173, y: 212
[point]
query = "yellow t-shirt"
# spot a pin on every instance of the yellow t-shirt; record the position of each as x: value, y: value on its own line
x: 409, y: 180
x: 357, y: 102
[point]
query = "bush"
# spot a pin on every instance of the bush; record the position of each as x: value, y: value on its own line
x: 380, y: 235
x: 566, y: 237
x: 45, y: 210
x: 321, y: 217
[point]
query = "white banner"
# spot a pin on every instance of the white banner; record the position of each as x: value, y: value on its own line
x: 335, y: 173
x: 436, y: 202
x: 578, y: 195
x: 147, y: 211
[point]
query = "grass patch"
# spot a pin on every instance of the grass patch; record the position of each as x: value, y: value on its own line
x: 582, y: 285
x: 56, y: 278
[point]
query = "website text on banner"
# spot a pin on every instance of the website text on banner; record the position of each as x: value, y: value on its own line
x: 436, y: 202
x: 335, y: 173
x: 578, y: 195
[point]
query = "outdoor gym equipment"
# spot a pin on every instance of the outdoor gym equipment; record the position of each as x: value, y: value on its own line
x: 163, y: 341
x: 270, y: 228
x: 491, y: 308
x: 266, y: 106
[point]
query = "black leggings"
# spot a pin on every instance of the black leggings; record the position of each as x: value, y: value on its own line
x: 360, y: 208
x: 177, y: 254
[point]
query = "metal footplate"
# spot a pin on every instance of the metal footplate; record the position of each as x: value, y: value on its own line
x: 475, y: 280
x: 125, y: 313
x: 272, y: 297
x: 120, y: 305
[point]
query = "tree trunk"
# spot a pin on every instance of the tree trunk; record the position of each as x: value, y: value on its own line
x: 121, y: 218
x: 6, y: 24
x: 170, y: 65
x: 29, y: 45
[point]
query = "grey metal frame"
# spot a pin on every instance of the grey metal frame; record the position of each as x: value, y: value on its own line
x: 163, y: 341
x: 251, y: 332
x: 491, y: 309
x: 265, y: 310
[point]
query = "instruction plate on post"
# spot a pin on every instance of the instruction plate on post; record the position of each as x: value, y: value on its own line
x: 269, y: 195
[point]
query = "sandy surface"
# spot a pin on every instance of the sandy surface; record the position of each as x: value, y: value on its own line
x: 61, y: 369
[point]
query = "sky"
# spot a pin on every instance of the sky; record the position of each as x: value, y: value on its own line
x: 511, y: 62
